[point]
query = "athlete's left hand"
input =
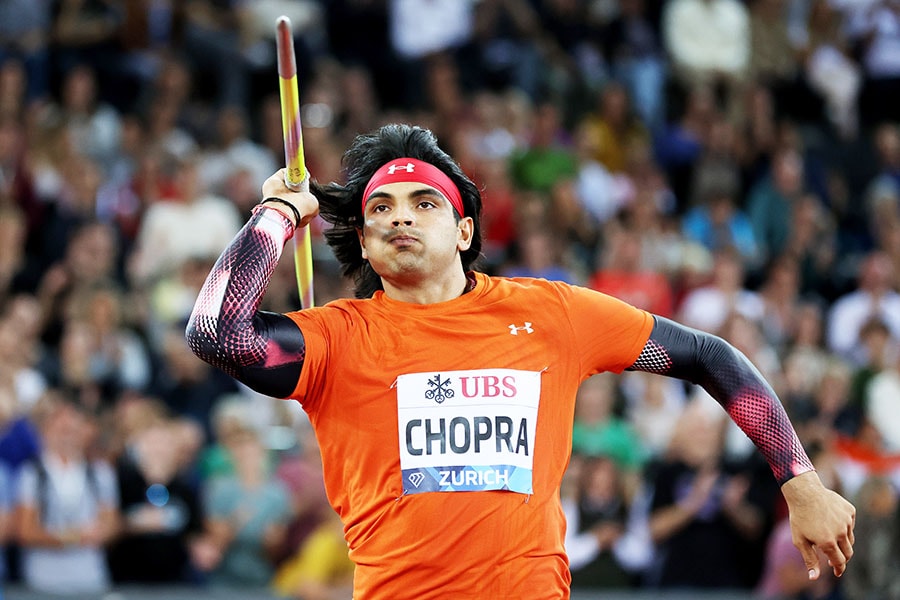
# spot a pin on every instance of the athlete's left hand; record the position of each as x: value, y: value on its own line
x: 820, y: 519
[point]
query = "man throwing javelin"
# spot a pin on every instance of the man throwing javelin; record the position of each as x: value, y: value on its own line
x: 442, y: 398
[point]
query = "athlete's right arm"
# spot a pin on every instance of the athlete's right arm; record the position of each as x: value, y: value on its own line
x: 226, y: 329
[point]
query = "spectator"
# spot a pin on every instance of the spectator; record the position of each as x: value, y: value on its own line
x: 878, y: 349
x: 116, y: 357
x: 634, y: 51
x: 17, y: 184
x: 15, y: 270
x: 830, y: 414
x: 875, y: 31
x: 601, y: 511
x: 624, y: 276
x: 718, y: 167
x: 881, y: 404
x: 85, y: 31
x: 774, y: 60
x: 877, y: 572
x: 719, y: 224
x: 804, y: 357
x: 615, y: 129
x: 680, y: 144
x: 95, y: 126
x: 780, y: 294
x: 574, y: 226
x: 233, y: 150
x: 813, y: 244
x: 163, y: 538
x: 301, y: 473
x: 707, y: 307
x: 771, y: 201
x: 649, y: 213
x: 320, y: 569
x: 499, y: 218
x: 24, y: 27
x: 601, y: 193
x: 548, y: 157
x: 19, y: 352
x: 419, y: 29
x: 89, y: 258
x: 652, y: 407
x: 538, y: 256
x: 598, y: 430
x: 74, y: 208
x: 708, y: 42
x: 886, y: 141
x: 830, y: 68
x: 67, y: 507
x: 212, y: 39
x: 247, y: 514
x: 702, y: 515
x: 191, y: 223
x: 505, y: 50
x: 13, y: 80
x: 874, y: 296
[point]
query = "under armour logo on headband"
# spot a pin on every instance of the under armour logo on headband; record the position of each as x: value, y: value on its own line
x: 408, y: 167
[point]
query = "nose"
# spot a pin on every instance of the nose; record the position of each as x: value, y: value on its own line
x: 403, y: 216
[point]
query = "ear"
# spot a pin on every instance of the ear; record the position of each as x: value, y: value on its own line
x: 362, y: 243
x: 465, y: 231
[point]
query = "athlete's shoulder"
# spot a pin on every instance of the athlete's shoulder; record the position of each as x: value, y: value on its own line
x: 502, y: 284
x: 342, y: 311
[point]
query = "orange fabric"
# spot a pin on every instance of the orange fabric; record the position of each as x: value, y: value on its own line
x: 484, y: 544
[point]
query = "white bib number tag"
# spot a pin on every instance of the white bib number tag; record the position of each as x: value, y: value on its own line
x: 468, y: 430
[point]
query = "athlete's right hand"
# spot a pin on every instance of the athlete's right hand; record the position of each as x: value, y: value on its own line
x: 301, y: 199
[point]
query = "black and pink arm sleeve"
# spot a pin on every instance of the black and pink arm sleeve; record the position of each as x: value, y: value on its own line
x: 226, y: 329
x: 729, y: 377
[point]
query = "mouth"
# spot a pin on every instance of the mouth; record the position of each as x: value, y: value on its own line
x: 402, y: 240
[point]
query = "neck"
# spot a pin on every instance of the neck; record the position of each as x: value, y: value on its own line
x: 428, y: 292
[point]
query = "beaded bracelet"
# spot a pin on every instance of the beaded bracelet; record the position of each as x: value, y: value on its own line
x: 293, y: 208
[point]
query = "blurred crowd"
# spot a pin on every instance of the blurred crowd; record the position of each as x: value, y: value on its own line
x: 732, y: 164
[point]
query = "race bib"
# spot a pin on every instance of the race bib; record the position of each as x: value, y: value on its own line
x: 463, y: 431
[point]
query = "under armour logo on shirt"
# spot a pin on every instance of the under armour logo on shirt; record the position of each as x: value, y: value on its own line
x: 514, y: 330
x: 408, y: 167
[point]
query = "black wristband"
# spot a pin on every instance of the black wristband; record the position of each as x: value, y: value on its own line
x: 293, y: 208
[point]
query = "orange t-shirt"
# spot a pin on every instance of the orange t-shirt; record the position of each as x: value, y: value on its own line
x: 473, y: 397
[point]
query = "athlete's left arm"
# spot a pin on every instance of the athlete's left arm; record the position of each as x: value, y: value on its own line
x: 730, y: 378
x: 819, y: 517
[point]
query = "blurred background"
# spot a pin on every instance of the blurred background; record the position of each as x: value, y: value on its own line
x: 733, y: 164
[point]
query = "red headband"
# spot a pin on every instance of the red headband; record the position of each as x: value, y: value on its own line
x: 411, y: 169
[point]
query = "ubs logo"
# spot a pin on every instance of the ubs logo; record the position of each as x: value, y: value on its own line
x: 439, y: 389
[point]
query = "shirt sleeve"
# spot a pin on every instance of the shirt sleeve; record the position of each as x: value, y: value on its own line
x: 610, y: 333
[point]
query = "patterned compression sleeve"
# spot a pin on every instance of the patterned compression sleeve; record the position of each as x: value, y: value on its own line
x: 729, y: 377
x: 261, y: 349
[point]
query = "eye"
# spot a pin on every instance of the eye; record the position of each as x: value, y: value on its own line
x: 378, y: 208
x: 426, y: 204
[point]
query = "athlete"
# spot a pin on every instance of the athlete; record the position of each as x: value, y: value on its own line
x: 442, y: 398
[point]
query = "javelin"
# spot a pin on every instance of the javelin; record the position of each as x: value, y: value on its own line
x: 295, y: 171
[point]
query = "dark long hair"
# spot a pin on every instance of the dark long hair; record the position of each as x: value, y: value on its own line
x: 341, y: 205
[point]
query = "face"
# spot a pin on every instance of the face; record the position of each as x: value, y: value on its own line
x: 410, y: 233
